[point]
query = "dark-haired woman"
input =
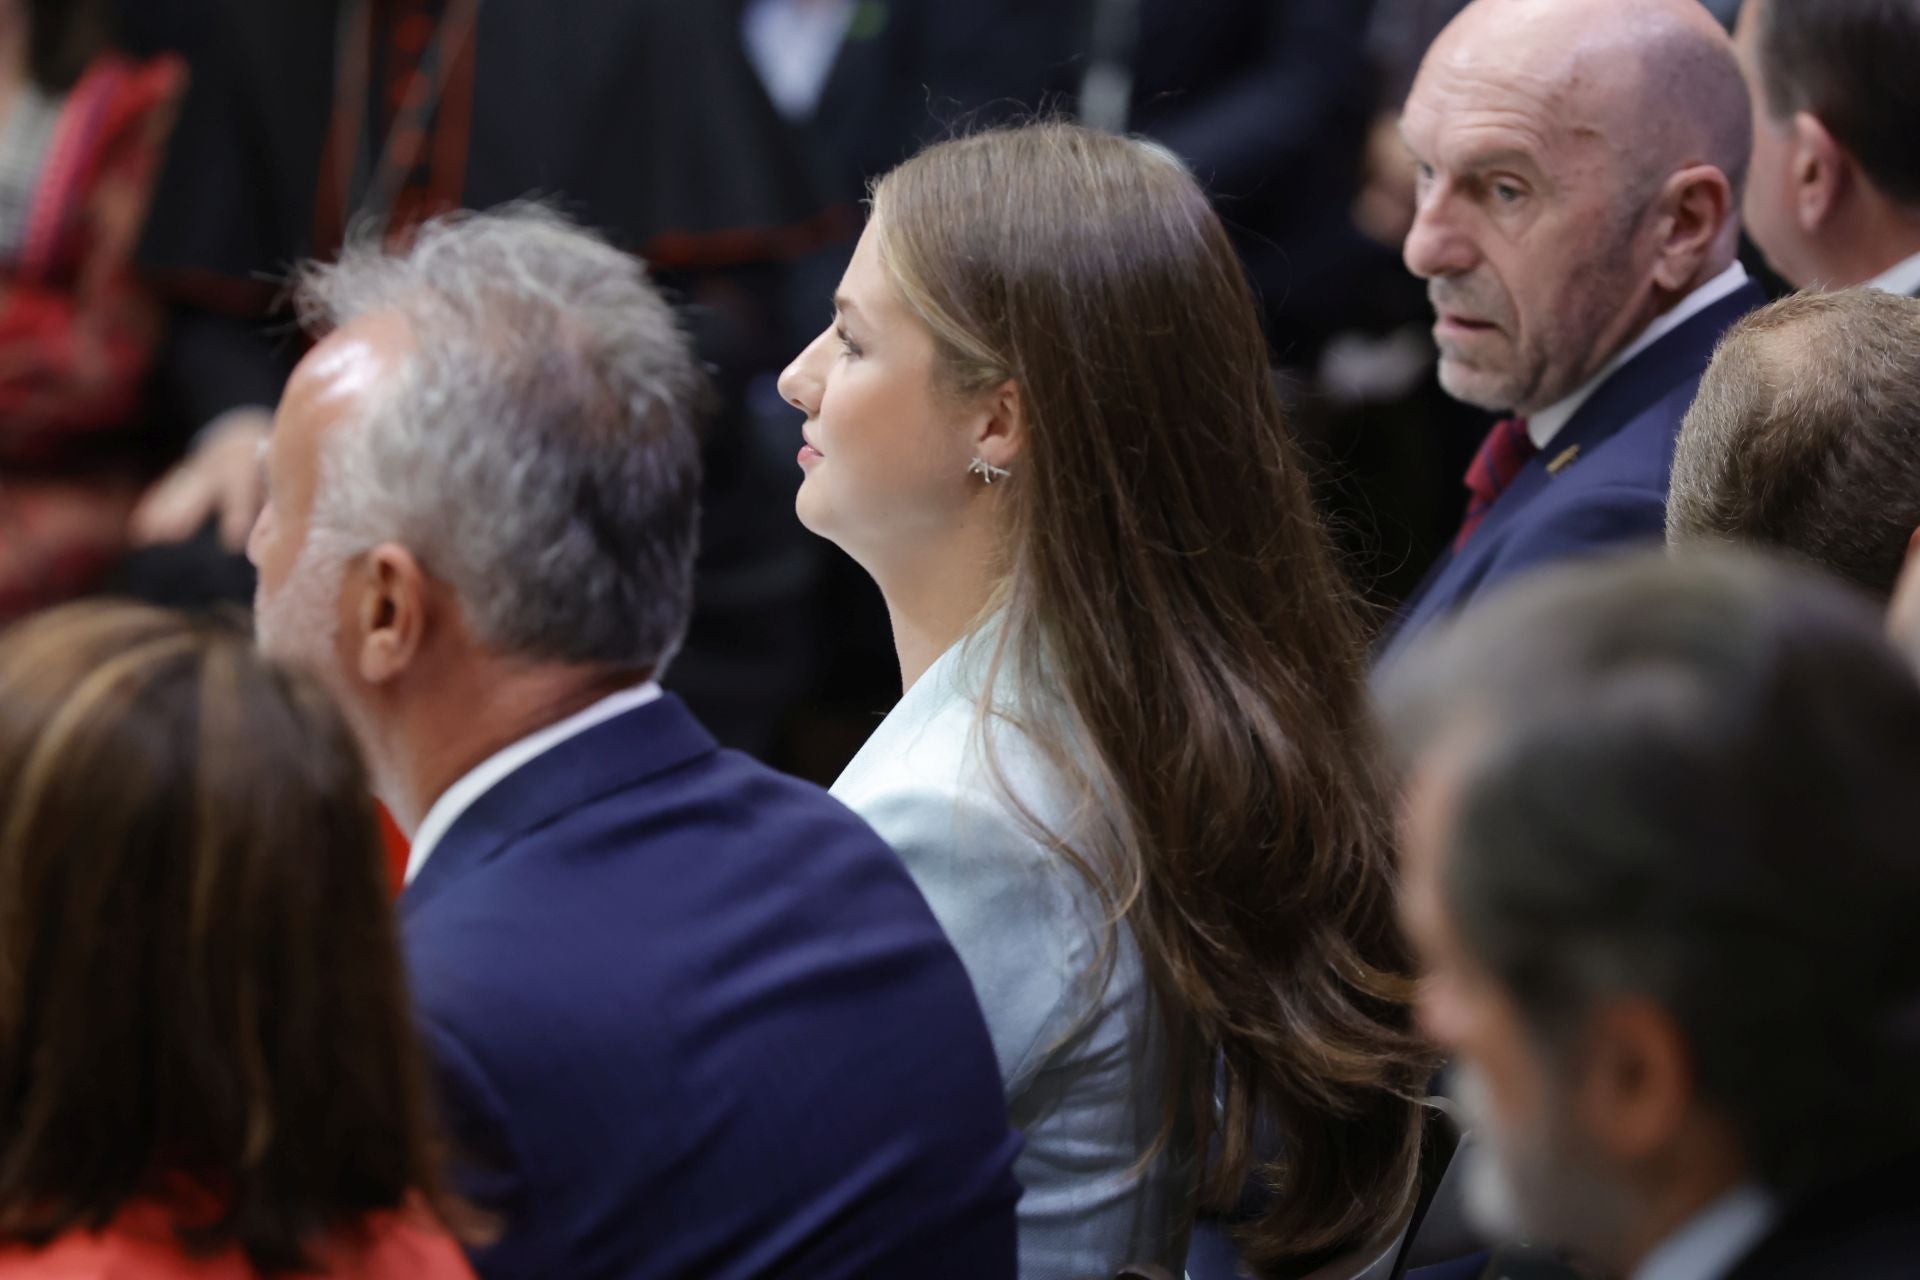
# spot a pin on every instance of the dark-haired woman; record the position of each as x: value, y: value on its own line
x: 207, y: 1065
x: 81, y: 134
x: 1132, y: 770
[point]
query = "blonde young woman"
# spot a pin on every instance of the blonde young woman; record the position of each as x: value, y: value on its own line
x: 1132, y: 770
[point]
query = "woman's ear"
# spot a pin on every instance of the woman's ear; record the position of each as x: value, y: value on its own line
x: 1000, y: 431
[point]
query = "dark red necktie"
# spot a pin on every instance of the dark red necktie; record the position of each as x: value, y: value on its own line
x: 1503, y: 453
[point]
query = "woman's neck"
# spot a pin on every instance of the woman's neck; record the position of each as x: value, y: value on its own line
x: 935, y: 593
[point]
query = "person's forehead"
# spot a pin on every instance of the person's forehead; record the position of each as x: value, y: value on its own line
x: 347, y: 366
x: 1467, y: 112
x: 866, y: 283
x: 1559, y: 85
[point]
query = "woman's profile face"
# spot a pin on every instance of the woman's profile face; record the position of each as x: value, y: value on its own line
x: 885, y: 450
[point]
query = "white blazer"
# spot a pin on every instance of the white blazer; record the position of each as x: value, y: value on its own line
x: 1085, y: 1078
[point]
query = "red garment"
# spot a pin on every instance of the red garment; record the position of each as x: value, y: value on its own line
x: 141, y: 1245
x: 394, y: 841
x: 78, y: 333
x: 1502, y: 455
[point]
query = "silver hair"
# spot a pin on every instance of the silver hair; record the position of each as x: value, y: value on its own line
x: 537, y: 450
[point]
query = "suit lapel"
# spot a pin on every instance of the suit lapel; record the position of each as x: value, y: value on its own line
x: 621, y: 752
x: 1632, y: 390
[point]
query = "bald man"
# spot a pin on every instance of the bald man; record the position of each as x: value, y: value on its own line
x: 1579, y: 166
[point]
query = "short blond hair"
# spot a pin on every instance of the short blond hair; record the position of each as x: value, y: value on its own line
x: 1805, y: 436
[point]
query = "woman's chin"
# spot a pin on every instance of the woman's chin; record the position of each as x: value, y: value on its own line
x: 810, y: 506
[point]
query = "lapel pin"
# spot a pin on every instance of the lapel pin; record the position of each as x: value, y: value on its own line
x: 1565, y: 460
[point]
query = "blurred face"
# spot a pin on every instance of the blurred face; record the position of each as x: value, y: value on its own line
x: 1770, y: 206
x: 297, y: 604
x: 886, y: 449
x: 1534, y: 1174
x: 1521, y: 230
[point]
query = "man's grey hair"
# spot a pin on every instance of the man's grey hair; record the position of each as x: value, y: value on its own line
x: 537, y: 450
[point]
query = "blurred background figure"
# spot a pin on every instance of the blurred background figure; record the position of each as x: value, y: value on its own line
x: 81, y: 132
x: 1660, y: 860
x: 640, y: 117
x: 1834, y: 199
x: 209, y: 1064
x: 1268, y: 103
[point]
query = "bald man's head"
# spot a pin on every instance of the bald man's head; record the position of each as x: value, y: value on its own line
x: 1581, y: 162
x: 1656, y: 80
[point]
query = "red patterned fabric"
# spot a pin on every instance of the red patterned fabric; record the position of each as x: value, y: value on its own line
x: 78, y: 332
x: 141, y: 1244
x: 392, y: 78
x: 1506, y: 450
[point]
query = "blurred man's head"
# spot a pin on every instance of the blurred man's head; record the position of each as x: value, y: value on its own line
x: 1834, y: 196
x: 1661, y: 858
x: 1579, y: 169
x: 483, y: 479
x: 1805, y: 437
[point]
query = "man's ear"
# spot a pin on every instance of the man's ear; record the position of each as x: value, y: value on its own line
x: 389, y: 603
x: 1822, y: 170
x: 1637, y: 1087
x: 1697, y: 206
x: 1000, y: 430
x: 1903, y: 619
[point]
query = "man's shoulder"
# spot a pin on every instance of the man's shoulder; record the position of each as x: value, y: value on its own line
x: 1625, y: 471
x: 1630, y: 467
x: 625, y: 926
x: 1624, y: 433
x: 1866, y: 1229
x: 649, y: 780
x: 1595, y: 502
x: 705, y: 826
x: 623, y: 871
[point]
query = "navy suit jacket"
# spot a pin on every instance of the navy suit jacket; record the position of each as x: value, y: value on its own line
x: 1612, y: 493
x: 1866, y: 1229
x: 691, y: 1018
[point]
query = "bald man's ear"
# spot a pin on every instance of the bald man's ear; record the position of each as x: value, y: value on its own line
x: 391, y: 599
x: 1822, y: 170
x: 1696, y: 212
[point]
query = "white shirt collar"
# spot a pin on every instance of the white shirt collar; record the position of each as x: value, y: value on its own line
x: 794, y: 47
x: 496, y: 768
x: 1902, y: 278
x: 1709, y: 1245
x: 1543, y: 426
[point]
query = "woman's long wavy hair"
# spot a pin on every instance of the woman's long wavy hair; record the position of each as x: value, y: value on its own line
x: 1168, y: 582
